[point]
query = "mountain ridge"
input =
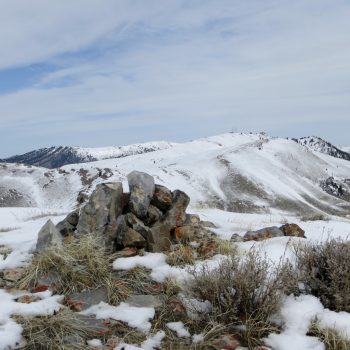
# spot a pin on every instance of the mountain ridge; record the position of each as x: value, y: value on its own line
x: 58, y: 156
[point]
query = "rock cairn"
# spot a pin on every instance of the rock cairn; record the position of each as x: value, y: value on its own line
x: 150, y: 216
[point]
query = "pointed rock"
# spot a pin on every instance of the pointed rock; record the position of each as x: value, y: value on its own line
x: 141, y: 187
x: 48, y: 236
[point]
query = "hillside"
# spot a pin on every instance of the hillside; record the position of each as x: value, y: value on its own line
x: 234, y: 172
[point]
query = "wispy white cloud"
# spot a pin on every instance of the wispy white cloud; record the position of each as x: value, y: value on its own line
x: 206, y: 65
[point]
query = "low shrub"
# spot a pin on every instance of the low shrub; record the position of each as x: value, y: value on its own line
x: 244, y: 294
x: 325, y: 272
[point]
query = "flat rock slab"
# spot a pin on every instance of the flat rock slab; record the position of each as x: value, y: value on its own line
x: 140, y: 300
x: 83, y: 300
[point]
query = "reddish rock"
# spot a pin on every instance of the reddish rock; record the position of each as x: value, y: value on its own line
x: 40, y: 288
x: 225, y: 342
x: 162, y: 197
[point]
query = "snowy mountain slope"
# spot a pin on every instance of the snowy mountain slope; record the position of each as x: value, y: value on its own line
x: 317, y: 144
x: 234, y: 172
x: 55, y: 157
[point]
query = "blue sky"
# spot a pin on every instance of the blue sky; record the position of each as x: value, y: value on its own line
x: 113, y: 72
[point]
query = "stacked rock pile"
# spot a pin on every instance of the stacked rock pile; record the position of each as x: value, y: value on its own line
x: 150, y: 216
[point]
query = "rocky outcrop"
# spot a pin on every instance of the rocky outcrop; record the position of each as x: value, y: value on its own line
x: 150, y: 217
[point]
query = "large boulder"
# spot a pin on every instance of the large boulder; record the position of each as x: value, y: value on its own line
x: 48, y: 236
x: 99, y: 215
x: 141, y: 187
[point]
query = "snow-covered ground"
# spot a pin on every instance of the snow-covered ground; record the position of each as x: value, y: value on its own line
x: 240, y: 182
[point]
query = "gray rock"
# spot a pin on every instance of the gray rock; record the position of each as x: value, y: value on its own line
x: 88, y: 298
x: 192, y: 219
x: 141, y: 187
x: 137, y: 225
x: 133, y: 239
x: 139, y: 300
x: 236, y: 238
x: 99, y: 215
x: 48, y: 236
x: 65, y: 228
x: 154, y: 214
x: 73, y: 218
x: 162, y: 198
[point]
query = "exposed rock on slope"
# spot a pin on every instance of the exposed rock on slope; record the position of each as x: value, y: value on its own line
x: 317, y: 144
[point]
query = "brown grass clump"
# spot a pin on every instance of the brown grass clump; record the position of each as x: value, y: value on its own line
x: 61, y: 331
x: 330, y: 337
x: 78, y: 265
x: 325, y: 271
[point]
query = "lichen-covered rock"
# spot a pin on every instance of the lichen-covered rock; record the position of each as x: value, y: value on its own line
x: 160, y: 240
x: 162, y: 198
x: 48, y: 236
x: 153, y: 215
x: 141, y: 187
x: 99, y: 215
x: 133, y: 239
x: 293, y: 230
x: 185, y: 233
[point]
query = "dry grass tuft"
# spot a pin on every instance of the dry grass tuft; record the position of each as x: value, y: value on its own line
x: 225, y: 247
x: 330, y: 337
x: 61, y: 331
x: 78, y: 265
x: 325, y: 272
x: 181, y: 256
x: 118, y: 290
x: 139, y: 280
